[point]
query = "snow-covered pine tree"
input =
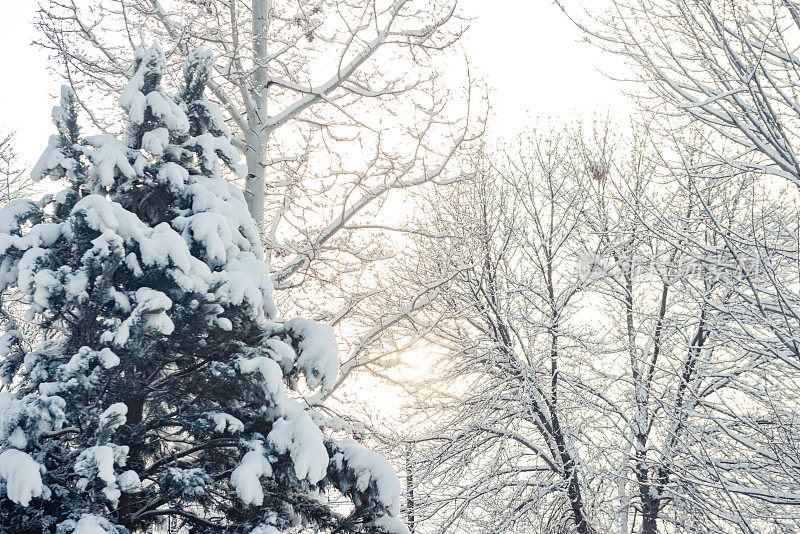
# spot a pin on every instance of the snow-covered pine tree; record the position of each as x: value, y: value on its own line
x: 162, y: 389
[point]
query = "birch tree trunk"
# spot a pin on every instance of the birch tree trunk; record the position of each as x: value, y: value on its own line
x: 257, y: 136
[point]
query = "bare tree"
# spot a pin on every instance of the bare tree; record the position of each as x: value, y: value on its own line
x: 304, y: 76
x: 729, y: 64
x: 593, y: 294
x: 744, y: 238
x: 15, y: 183
x: 509, y: 442
x: 13, y: 180
x: 339, y: 109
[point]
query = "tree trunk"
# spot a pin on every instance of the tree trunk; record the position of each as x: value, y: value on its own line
x: 647, y: 490
x: 649, y: 516
x: 258, y: 135
x: 410, y: 519
x: 255, y: 182
x: 570, y: 474
x: 574, y: 494
x: 128, y: 502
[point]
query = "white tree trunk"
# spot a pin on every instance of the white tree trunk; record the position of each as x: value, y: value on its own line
x: 257, y: 137
x: 254, y: 184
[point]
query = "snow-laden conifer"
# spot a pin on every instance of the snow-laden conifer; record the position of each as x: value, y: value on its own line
x: 159, y: 389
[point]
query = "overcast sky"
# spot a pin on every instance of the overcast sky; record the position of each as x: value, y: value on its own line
x: 526, y: 50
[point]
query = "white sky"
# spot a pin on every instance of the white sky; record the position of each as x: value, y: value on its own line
x: 532, y: 58
x: 27, y: 91
x: 526, y: 50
